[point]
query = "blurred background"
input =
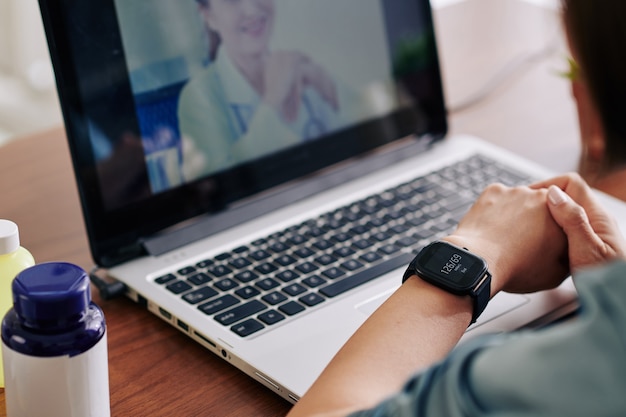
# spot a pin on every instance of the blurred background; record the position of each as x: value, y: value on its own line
x: 28, y: 100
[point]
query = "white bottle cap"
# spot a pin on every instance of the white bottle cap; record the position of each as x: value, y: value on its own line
x: 9, y: 237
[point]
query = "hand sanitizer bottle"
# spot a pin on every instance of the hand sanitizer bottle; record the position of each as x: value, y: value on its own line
x: 13, y: 259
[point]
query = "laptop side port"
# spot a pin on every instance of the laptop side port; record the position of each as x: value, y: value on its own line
x: 182, y: 325
x: 204, y: 340
x: 166, y: 314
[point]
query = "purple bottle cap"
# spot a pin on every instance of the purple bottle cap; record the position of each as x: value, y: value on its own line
x: 51, y: 293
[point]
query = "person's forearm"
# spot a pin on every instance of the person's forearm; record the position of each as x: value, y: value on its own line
x: 417, y: 326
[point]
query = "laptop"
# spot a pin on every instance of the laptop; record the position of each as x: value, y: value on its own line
x: 267, y: 218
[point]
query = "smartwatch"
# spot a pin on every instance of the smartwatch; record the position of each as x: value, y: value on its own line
x: 455, y: 270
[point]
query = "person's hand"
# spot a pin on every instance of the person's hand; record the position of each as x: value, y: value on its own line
x: 286, y: 75
x: 513, y: 230
x: 593, y: 236
x: 316, y: 77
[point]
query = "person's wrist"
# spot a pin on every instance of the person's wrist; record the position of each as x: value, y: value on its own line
x: 489, y: 252
x: 439, y: 301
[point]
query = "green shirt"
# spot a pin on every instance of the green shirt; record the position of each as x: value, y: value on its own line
x: 575, y: 368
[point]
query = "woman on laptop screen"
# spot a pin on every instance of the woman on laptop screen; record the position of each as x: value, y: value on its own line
x: 250, y: 100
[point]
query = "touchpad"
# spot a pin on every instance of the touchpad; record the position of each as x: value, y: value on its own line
x: 501, y: 304
x: 370, y: 305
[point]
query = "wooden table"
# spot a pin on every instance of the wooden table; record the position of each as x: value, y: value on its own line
x: 157, y: 371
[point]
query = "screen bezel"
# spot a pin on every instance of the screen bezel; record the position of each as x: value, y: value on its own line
x: 116, y: 235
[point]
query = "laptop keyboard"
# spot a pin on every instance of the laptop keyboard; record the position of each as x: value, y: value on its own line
x: 270, y: 280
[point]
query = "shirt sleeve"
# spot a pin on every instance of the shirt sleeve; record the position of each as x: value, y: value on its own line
x: 576, y: 368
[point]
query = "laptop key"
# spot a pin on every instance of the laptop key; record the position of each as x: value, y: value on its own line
x: 388, y: 249
x: 333, y: 273
x: 314, y: 281
x: 240, y: 263
x: 259, y: 254
x: 351, y: 265
x: 370, y: 257
x: 218, y: 304
x: 240, y: 249
x: 380, y: 236
x: 226, y: 284
x: 311, y: 299
x: 247, y: 292
x: 266, y: 268
x: 291, y: 308
x: 297, y: 239
x: 344, y: 252
x: 201, y: 294
x: 223, y: 256
x: 287, y: 276
x: 406, y: 242
x: 165, y: 278
x: 306, y: 267
x: 247, y: 327
x: 267, y: 284
x: 294, y: 289
x: 274, y: 298
x: 219, y: 271
x: 270, y: 317
x: 186, y: 270
x: 240, y: 312
x: 199, y: 278
x: 362, y: 244
x: 366, y: 275
x: 325, y: 259
x: 278, y: 247
x: 303, y: 252
x: 285, y: 260
x: 323, y: 244
x: 178, y: 287
x: 205, y: 263
x: 246, y: 276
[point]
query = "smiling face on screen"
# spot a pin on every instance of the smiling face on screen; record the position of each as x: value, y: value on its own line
x: 244, y: 26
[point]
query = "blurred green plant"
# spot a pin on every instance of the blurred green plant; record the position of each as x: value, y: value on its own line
x: 573, y: 71
x: 413, y: 54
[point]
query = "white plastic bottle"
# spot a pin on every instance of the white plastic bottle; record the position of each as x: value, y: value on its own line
x: 13, y: 259
x: 54, y: 346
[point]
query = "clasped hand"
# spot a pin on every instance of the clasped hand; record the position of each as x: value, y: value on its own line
x: 534, y: 237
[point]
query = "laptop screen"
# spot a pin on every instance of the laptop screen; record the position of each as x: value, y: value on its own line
x: 181, y: 109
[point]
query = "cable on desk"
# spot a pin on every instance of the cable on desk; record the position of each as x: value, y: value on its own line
x: 107, y: 290
x: 507, y: 71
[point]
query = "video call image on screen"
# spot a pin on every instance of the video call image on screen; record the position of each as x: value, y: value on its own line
x: 220, y: 82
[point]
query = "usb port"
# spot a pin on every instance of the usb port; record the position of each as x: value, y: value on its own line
x: 165, y: 313
x: 182, y: 325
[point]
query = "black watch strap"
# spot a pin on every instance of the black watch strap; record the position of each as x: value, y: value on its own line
x: 481, y: 295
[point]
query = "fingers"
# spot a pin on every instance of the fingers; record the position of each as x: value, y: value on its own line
x: 283, y: 83
x: 317, y: 78
x: 575, y: 187
x: 578, y: 190
x: 591, y: 240
x: 585, y: 246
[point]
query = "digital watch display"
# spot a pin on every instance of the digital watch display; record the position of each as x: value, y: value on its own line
x: 455, y: 270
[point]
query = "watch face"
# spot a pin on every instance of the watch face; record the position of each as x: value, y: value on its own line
x: 451, y: 267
